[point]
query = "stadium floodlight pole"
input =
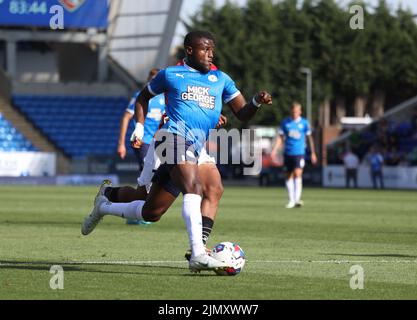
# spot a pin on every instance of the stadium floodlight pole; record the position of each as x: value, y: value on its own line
x: 308, y: 73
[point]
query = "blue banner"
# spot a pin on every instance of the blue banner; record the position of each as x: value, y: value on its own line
x: 78, y: 14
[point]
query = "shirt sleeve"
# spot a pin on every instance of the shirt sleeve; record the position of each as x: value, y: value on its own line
x: 281, y: 129
x: 158, y: 84
x: 308, y: 128
x: 131, y: 107
x: 230, y: 90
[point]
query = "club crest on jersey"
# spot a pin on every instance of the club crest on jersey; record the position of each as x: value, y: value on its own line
x: 72, y: 5
x: 201, y: 95
x: 213, y: 78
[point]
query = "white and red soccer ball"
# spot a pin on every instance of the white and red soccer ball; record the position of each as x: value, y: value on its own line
x: 231, y: 254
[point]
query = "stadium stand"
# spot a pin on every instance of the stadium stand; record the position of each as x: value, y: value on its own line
x: 79, y: 125
x: 395, y: 135
x: 11, y: 139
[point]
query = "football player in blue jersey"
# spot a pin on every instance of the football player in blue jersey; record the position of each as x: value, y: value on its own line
x: 194, y: 94
x: 209, y: 177
x: 293, y: 133
x: 152, y: 121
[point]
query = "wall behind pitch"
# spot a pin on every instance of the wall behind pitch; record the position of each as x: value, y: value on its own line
x: 27, y: 164
x: 394, y: 177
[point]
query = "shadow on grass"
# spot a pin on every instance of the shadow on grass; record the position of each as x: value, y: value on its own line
x: 86, y: 267
x: 379, y: 255
x: 42, y: 223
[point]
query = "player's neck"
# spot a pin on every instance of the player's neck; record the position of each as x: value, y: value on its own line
x: 298, y: 119
x: 193, y: 67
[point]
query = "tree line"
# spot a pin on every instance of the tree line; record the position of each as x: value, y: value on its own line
x: 265, y: 43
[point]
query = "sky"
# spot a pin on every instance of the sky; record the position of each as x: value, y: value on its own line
x: 189, y: 7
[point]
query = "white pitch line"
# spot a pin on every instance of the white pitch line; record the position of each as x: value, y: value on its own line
x: 249, y: 261
x: 156, y: 262
x: 336, y: 261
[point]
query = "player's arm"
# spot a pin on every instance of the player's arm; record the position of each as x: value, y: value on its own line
x: 277, y: 146
x: 124, y: 123
x: 222, y: 121
x: 312, y: 148
x: 141, y: 109
x: 245, y: 111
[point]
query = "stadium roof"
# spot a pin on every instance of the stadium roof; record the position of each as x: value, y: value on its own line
x: 140, y: 33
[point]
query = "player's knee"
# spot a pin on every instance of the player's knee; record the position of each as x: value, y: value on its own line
x: 214, y: 192
x: 154, y: 214
x: 193, y: 187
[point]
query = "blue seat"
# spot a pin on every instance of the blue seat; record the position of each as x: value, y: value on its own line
x: 80, y: 125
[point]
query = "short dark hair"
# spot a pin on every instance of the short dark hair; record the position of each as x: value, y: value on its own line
x: 198, y: 34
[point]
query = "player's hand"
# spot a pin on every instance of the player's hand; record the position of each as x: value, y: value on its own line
x: 121, y: 151
x: 263, y: 97
x: 313, y: 159
x: 222, y: 121
x: 137, y: 135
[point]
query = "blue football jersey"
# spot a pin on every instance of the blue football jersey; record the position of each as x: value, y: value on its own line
x: 295, y: 132
x: 376, y: 160
x: 156, y: 109
x: 194, y: 100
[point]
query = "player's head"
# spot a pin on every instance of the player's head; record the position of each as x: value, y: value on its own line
x: 296, y: 110
x: 152, y: 73
x: 199, y: 48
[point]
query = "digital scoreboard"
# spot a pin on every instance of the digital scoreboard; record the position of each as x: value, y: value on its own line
x: 38, y: 13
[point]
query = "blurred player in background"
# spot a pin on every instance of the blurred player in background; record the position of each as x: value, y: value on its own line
x: 376, y: 165
x: 156, y: 109
x: 293, y: 133
x: 194, y: 95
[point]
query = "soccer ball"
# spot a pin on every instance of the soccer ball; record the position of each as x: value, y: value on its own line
x: 229, y: 253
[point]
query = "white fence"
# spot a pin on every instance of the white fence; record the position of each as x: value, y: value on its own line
x: 27, y: 164
x: 394, y: 177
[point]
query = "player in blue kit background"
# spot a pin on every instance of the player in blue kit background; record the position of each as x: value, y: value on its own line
x: 152, y: 121
x: 293, y: 133
x: 194, y: 97
x: 155, y: 111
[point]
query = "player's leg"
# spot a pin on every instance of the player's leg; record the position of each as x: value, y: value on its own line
x: 160, y: 199
x: 373, y: 176
x: 185, y: 176
x: 291, y: 190
x: 127, y: 193
x: 212, y: 192
x: 158, y: 202
x: 298, y: 186
x: 381, y: 179
x: 161, y: 196
x: 355, y: 178
x: 289, y: 182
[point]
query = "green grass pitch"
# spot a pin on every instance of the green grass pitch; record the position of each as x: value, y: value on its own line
x: 291, y: 254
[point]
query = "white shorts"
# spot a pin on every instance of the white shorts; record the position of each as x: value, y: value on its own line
x: 152, y: 162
